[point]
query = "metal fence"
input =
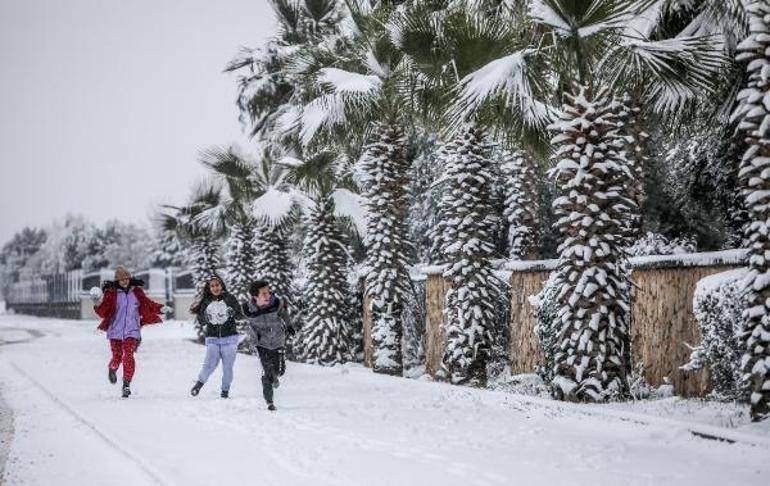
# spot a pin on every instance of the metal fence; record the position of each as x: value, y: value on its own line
x: 61, y: 294
x: 48, y: 295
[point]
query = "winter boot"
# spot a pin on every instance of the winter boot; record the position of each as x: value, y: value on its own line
x: 112, y: 375
x: 126, y: 388
x: 271, y: 407
x: 196, y: 388
x: 225, y: 394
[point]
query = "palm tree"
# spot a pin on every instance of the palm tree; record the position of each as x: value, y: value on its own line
x: 324, y: 196
x: 257, y: 211
x: 273, y: 213
x: 577, y: 48
x: 443, y: 43
x: 268, y: 85
x: 367, y: 96
x: 233, y: 170
x: 753, y: 115
x: 186, y: 222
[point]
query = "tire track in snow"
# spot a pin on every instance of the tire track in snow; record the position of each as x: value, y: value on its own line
x: 140, y: 463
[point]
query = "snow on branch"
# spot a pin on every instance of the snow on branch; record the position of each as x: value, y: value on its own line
x: 677, y: 69
x: 346, y: 82
x: 703, y: 259
x: 273, y: 207
x: 324, y: 111
x: 350, y: 205
x: 549, y: 13
x: 505, y: 77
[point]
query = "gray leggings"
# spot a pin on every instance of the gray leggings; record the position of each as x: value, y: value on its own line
x: 215, y: 352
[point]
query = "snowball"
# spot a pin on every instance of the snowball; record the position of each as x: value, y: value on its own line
x: 96, y: 294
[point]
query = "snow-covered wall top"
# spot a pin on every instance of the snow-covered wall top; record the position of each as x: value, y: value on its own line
x: 704, y: 259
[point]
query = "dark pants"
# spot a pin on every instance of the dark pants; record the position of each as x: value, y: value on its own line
x: 272, y: 368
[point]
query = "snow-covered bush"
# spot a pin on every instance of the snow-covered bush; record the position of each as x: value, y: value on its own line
x: 529, y: 384
x: 718, y: 304
x: 521, y: 183
x: 638, y: 387
x: 546, y: 326
x: 355, y: 320
x: 499, y: 352
x: 414, y: 329
x: 657, y: 244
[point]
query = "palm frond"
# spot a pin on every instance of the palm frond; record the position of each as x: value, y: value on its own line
x: 317, y: 176
x: 348, y: 204
x: 672, y: 71
x: 582, y: 19
x: 352, y: 84
x: 288, y: 13
x: 505, y: 79
x: 232, y: 167
x: 326, y: 111
x: 273, y: 207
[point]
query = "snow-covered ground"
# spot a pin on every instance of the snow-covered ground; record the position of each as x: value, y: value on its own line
x: 338, y: 426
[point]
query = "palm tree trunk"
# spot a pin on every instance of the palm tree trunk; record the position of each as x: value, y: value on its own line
x: 324, y: 334
x: 521, y: 211
x: 271, y: 258
x: 754, y: 173
x: 592, y: 359
x: 240, y: 259
x: 469, y: 228
x: 205, y: 264
x: 384, y: 169
x: 632, y: 138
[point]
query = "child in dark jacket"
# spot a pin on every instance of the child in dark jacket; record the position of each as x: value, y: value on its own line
x: 218, y: 311
x: 124, y: 309
x: 266, y: 316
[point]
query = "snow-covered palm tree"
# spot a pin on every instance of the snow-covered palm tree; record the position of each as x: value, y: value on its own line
x: 324, y: 198
x: 469, y: 224
x: 365, y: 98
x: 203, y: 239
x: 753, y: 115
x: 268, y: 85
x: 442, y: 46
x: 273, y: 211
x: 233, y: 170
x: 576, y: 48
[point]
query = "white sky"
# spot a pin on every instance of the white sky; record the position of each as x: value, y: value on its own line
x: 105, y: 104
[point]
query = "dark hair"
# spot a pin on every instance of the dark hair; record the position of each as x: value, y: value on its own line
x: 255, y: 286
x: 207, y: 289
x: 206, y: 294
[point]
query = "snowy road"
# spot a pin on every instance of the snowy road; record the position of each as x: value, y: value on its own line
x: 339, y: 426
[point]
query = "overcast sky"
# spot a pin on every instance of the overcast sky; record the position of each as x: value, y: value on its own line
x: 105, y: 104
